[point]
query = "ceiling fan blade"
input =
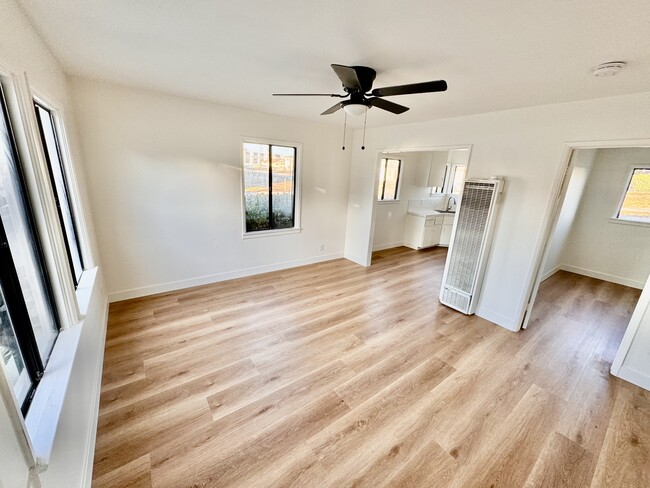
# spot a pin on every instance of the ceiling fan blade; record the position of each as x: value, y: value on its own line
x: 386, y: 105
x: 332, y: 109
x: 308, y: 95
x: 426, y: 87
x: 348, y: 76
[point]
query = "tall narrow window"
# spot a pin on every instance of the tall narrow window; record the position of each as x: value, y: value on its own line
x: 52, y: 149
x: 458, y: 179
x: 29, y: 325
x: 635, y: 202
x: 269, y: 172
x: 389, y: 173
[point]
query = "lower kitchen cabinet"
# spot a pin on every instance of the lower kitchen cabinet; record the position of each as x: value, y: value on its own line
x: 447, y: 226
x: 429, y: 231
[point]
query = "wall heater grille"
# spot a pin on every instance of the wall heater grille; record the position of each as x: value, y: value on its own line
x: 470, y: 244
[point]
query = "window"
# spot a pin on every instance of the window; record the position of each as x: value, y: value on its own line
x: 52, y: 150
x: 635, y: 202
x: 458, y: 179
x: 389, y: 173
x: 269, y: 172
x: 28, y: 322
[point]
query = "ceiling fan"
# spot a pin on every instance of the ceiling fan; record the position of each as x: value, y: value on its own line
x: 357, y: 83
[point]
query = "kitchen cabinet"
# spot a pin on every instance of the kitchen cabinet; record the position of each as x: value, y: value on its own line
x: 421, y: 231
x: 432, y: 169
x: 437, y: 169
x: 447, y: 227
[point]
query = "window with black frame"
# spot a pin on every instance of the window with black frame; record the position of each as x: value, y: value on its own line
x: 52, y: 149
x: 269, y: 172
x: 389, y: 174
x: 28, y: 321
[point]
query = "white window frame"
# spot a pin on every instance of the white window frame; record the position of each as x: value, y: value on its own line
x: 398, y: 190
x: 451, y: 176
x: 615, y: 219
x: 297, y: 189
x: 39, y: 425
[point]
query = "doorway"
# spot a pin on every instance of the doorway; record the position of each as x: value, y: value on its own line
x: 600, y: 227
x: 412, y: 184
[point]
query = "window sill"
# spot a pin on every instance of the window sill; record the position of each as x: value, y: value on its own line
x: 638, y: 223
x: 43, y: 416
x: 45, y: 410
x: 384, y: 202
x: 85, y: 289
x: 271, y: 233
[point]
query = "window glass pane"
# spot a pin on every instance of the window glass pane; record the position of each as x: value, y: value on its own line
x: 392, y: 178
x: 11, y: 356
x: 636, y: 204
x: 283, y: 164
x: 459, y: 179
x: 60, y: 188
x: 382, y: 176
x: 22, y: 242
x: 256, y: 186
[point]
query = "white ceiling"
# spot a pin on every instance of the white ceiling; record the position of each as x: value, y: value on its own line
x: 494, y: 55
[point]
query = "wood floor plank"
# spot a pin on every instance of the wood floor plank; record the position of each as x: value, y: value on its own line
x: 562, y: 464
x: 135, y: 474
x: 371, y: 426
x: 336, y: 375
x: 256, y: 453
x: 517, y: 445
x: 625, y: 457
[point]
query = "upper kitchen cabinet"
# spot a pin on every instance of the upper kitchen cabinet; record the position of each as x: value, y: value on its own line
x: 437, y: 170
x: 432, y: 170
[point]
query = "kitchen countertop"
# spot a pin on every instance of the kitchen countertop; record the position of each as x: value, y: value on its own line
x: 428, y: 213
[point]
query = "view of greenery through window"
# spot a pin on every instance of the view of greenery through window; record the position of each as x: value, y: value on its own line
x: 636, y: 204
x: 269, y: 189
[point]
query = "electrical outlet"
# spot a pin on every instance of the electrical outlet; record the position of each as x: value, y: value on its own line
x: 322, y: 247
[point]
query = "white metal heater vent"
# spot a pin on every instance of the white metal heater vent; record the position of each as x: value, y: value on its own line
x: 470, y: 244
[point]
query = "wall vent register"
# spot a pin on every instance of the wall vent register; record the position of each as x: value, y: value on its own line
x: 470, y: 244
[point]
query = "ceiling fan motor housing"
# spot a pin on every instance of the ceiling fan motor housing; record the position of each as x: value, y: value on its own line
x: 366, y: 78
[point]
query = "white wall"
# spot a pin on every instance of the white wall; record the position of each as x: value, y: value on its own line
x: 527, y: 147
x: 165, y: 184
x: 390, y: 217
x: 600, y: 248
x: 21, y: 50
x: 583, y: 161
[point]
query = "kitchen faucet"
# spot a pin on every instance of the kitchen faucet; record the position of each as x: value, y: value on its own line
x: 449, y: 205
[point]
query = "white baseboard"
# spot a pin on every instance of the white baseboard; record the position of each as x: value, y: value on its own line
x: 551, y: 272
x: 381, y: 247
x: 497, y: 318
x: 635, y: 377
x: 214, y: 278
x: 603, y: 276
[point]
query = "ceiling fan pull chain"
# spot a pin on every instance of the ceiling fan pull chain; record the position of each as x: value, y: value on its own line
x: 365, y: 118
x: 345, y: 125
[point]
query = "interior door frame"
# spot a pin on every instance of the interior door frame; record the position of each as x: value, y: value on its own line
x: 555, y: 206
x: 383, y: 152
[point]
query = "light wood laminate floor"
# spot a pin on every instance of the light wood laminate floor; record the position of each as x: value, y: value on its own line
x: 335, y: 375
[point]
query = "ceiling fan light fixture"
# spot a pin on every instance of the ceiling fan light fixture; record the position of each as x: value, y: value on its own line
x: 355, y: 108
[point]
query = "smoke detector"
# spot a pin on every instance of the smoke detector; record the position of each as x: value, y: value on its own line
x: 611, y: 68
